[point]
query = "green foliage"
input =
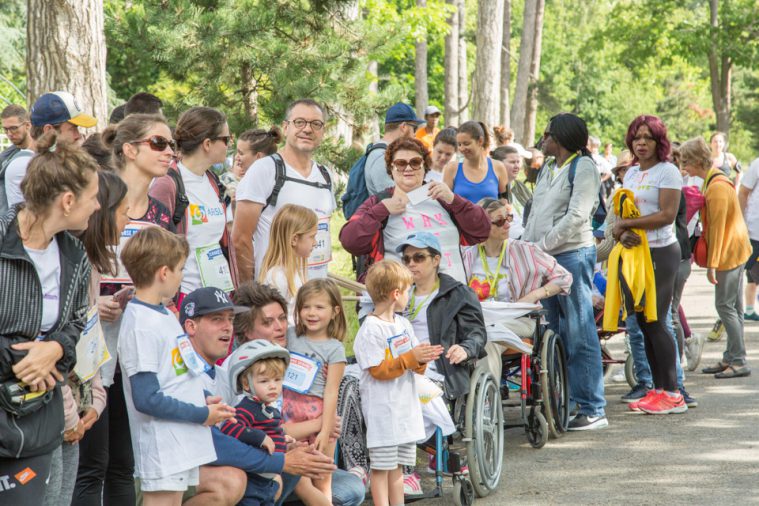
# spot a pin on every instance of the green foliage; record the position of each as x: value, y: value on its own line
x: 12, y: 49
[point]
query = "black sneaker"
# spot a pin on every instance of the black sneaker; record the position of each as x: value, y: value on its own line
x: 689, y: 401
x: 585, y: 422
x: 636, y: 394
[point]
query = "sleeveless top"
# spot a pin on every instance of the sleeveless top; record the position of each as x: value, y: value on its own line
x: 474, y: 192
x: 725, y: 167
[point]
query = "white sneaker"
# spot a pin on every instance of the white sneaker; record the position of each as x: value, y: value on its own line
x: 694, y: 346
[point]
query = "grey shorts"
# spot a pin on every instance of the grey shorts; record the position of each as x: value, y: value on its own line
x: 387, y: 458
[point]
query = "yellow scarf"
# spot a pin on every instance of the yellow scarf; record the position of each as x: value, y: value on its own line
x: 636, y: 268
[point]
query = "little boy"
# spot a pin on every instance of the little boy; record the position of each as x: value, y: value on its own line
x: 164, y: 392
x: 257, y: 369
x: 389, y: 354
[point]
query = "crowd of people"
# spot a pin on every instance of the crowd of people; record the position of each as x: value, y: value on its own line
x: 169, y: 333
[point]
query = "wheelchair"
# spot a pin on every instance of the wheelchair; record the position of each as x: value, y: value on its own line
x: 540, y: 378
x: 607, y: 359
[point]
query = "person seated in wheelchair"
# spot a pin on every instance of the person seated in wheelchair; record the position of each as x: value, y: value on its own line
x: 507, y: 270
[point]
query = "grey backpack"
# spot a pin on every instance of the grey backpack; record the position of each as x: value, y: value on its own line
x: 10, y: 156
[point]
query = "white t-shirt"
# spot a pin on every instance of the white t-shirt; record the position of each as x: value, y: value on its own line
x: 421, y: 329
x: 427, y: 216
x: 646, y: 184
x: 276, y: 278
x: 47, y: 263
x: 257, y: 185
x: 602, y: 164
x: 206, y: 220
x: 14, y: 174
x: 749, y: 180
x: 433, y: 175
x: 480, y: 281
x: 391, y: 408
x: 148, y: 343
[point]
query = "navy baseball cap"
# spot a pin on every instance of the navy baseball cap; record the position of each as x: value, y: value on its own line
x: 59, y: 107
x: 205, y: 301
x: 400, y: 112
x: 420, y: 240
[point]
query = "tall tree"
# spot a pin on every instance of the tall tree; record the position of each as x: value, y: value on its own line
x: 420, y: 81
x: 503, y: 115
x: 452, y: 68
x: 65, y: 50
x: 531, y: 108
x: 526, y: 51
x: 463, y: 66
x: 720, y: 70
x: 487, y: 71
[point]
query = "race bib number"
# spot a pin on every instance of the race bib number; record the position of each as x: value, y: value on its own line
x: 322, y: 252
x: 190, y: 357
x: 214, y: 268
x: 91, y: 350
x: 301, y: 373
x: 122, y: 276
x: 400, y: 344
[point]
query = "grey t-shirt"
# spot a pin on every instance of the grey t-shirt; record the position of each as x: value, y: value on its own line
x: 375, y: 172
x: 326, y: 352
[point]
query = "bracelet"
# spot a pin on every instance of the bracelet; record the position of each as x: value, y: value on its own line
x: 548, y: 294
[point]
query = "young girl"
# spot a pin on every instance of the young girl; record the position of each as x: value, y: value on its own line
x: 292, y: 237
x: 317, y: 363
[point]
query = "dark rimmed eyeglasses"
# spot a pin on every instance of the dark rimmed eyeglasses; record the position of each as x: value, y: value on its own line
x: 300, y: 124
x: 158, y: 143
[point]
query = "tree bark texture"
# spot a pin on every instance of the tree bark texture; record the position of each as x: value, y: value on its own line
x: 720, y: 72
x: 452, y: 69
x: 250, y: 94
x: 531, y: 109
x: 463, y: 67
x: 65, y: 51
x: 420, y: 75
x: 503, y: 115
x: 487, y: 73
x: 526, y: 48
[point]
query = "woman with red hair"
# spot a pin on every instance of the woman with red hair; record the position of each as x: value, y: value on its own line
x: 656, y: 184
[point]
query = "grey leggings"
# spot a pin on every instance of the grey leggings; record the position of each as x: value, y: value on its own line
x: 62, y: 475
x: 683, y: 273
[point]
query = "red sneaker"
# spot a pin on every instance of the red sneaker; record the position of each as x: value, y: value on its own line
x: 635, y: 406
x: 664, y: 404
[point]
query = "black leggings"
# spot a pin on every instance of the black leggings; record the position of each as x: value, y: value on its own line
x: 660, y: 344
x: 23, y: 481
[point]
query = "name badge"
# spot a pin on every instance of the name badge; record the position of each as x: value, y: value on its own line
x: 91, y: 350
x: 301, y: 373
x: 194, y: 363
x: 213, y: 267
x: 322, y: 252
x: 400, y: 344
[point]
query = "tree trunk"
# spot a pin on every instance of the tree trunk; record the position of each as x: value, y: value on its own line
x: 65, y: 51
x: 420, y: 76
x: 463, y: 68
x: 250, y: 94
x: 503, y: 115
x: 720, y: 72
x: 531, y: 109
x: 452, y: 69
x: 487, y: 73
x: 526, y: 49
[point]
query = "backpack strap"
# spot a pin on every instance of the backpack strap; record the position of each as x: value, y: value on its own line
x: 180, y: 201
x: 281, y: 178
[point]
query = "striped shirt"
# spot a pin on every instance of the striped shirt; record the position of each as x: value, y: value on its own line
x: 254, y: 415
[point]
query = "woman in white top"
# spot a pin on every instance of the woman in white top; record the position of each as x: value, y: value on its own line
x: 202, y: 136
x: 656, y: 184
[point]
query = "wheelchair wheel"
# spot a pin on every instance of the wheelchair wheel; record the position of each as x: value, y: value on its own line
x: 630, y: 376
x: 484, y: 432
x: 554, y: 384
x: 463, y: 492
x: 537, y: 430
x: 605, y: 365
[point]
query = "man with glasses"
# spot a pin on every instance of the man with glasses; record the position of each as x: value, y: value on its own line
x: 15, y: 122
x: 290, y: 176
x: 400, y: 121
x: 57, y: 111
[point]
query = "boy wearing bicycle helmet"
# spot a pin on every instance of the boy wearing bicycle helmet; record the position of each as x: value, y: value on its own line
x: 257, y: 369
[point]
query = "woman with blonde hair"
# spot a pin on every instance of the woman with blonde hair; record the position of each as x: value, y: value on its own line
x: 727, y: 249
x: 291, y: 240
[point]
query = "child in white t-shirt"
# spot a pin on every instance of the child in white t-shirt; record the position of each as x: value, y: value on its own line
x: 389, y: 354
x: 168, y: 415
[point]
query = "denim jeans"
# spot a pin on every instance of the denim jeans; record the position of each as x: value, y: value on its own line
x: 638, y: 351
x: 347, y: 489
x: 571, y: 317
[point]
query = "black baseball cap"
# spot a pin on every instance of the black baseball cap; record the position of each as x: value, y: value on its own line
x: 205, y: 301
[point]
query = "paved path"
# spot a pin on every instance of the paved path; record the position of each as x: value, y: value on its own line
x: 709, y: 455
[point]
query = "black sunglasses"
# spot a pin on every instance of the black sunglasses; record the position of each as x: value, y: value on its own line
x: 223, y: 138
x: 416, y: 257
x: 158, y: 143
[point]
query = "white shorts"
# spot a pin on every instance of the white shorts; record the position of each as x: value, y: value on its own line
x: 178, y: 482
x: 387, y: 458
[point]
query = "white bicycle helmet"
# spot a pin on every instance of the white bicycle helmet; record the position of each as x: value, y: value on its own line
x: 249, y: 353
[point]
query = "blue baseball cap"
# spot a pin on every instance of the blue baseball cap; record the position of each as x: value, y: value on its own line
x: 400, y: 112
x: 59, y: 107
x: 420, y: 240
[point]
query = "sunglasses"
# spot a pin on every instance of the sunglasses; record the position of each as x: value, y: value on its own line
x: 415, y: 163
x: 502, y: 221
x: 223, y: 138
x: 416, y: 257
x: 158, y: 143
x: 413, y: 126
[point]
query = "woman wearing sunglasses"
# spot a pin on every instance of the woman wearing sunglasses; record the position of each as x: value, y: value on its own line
x: 380, y: 225
x: 200, y: 209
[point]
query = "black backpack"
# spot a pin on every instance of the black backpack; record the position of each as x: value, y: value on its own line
x: 281, y: 178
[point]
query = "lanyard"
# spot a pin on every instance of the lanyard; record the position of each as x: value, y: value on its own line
x: 483, y: 258
x: 413, y: 308
x: 556, y: 169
